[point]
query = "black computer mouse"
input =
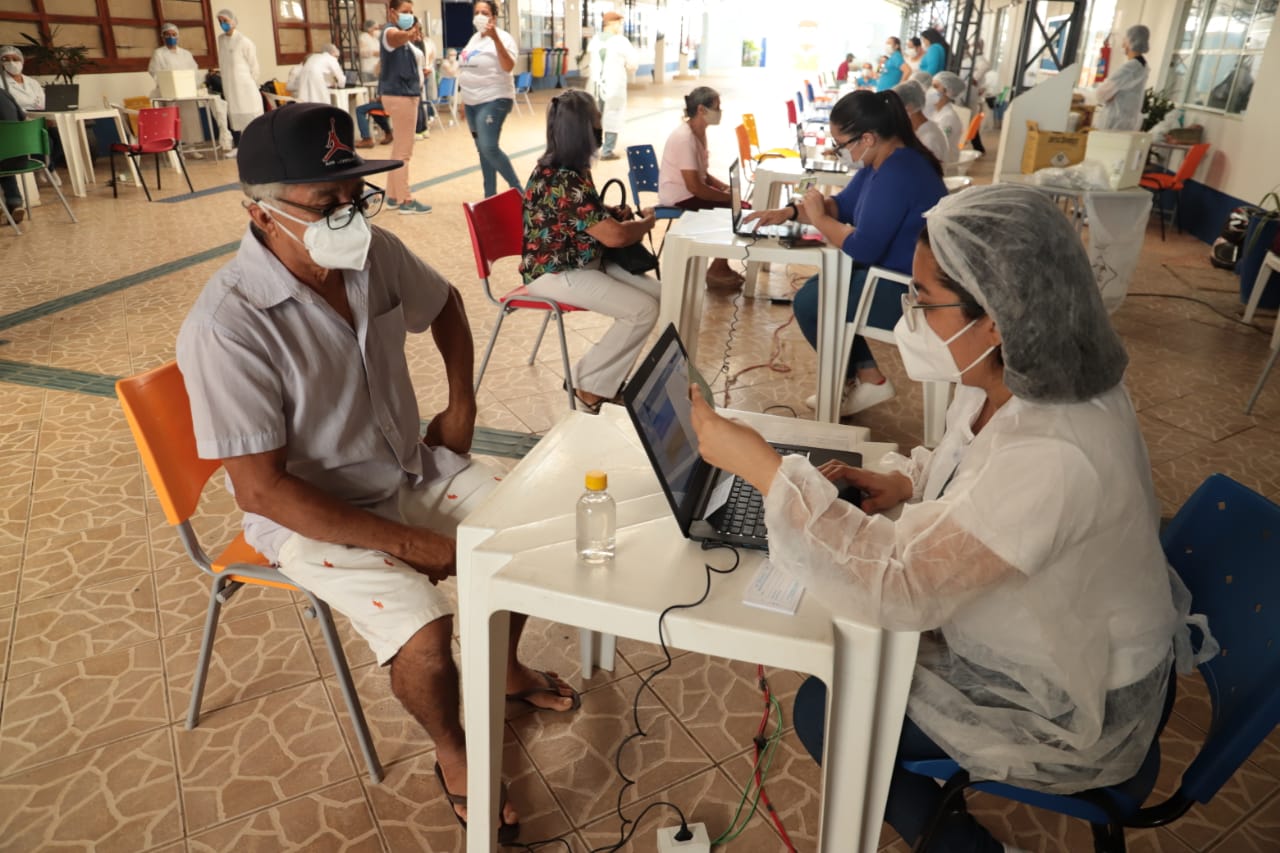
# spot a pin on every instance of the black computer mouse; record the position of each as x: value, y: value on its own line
x: 850, y: 493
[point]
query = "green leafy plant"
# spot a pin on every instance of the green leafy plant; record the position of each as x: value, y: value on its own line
x: 1154, y: 108
x: 63, y: 61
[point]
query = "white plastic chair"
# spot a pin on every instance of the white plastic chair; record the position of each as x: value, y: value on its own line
x: 1271, y: 362
x: 1270, y: 264
x: 936, y: 394
x: 961, y: 166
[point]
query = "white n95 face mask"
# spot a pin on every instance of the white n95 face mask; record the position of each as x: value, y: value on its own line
x: 13, y: 66
x: 927, y: 357
x: 480, y: 22
x: 931, y: 99
x: 342, y: 249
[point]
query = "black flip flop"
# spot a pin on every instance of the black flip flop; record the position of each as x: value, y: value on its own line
x: 552, y: 689
x: 507, y: 832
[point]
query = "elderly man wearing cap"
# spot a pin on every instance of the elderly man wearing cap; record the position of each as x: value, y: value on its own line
x: 612, y: 59
x: 170, y: 57
x: 294, y: 360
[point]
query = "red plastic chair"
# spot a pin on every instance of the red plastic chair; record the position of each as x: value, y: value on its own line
x: 793, y: 117
x: 497, y: 231
x: 158, y: 133
x: 1160, y: 182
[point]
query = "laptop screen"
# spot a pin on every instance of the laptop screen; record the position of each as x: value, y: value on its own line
x: 657, y: 399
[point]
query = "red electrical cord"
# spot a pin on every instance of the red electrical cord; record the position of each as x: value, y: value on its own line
x: 759, y: 742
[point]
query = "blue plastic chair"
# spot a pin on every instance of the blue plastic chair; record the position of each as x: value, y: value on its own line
x: 446, y: 88
x: 643, y: 164
x: 524, y: 85
x: 800, y: 103
x: 1225, y: 545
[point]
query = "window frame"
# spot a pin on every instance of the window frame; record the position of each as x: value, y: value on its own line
x: 305, y: 25
x: 110, y: 62
x: 1191, y: 55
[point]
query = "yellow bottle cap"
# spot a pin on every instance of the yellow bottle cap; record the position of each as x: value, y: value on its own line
x: 597, y: 481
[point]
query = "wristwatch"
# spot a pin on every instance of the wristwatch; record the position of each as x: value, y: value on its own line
x: 795, y: 210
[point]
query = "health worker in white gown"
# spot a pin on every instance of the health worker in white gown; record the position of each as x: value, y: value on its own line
x: 238, y: 62
x: 170, y: 56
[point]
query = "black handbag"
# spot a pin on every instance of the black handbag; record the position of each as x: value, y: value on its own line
x: 635, y: 258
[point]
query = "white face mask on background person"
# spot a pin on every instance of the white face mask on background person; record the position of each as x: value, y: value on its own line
x: 931, y: 99
x: 927, y: 357
x: 480, y: 22
x: 13, y: 66
x: 341, y: 249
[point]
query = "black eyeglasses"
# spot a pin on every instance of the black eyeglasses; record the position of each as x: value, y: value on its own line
x: 911, y: 304
x: 340, y: 215
x: 837, y: 147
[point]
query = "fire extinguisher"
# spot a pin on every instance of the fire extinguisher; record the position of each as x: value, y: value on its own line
x: 1104, y: 61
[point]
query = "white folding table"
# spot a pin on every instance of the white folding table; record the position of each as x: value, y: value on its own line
x: 75, y: 142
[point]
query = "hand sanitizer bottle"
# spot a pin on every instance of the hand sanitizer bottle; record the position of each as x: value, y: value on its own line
x: 597, y: 521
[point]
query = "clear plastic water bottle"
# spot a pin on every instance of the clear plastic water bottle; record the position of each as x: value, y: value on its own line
x: 597, y: 521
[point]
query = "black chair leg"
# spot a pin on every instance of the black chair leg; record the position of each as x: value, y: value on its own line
x: 1160, y: 203
x: 182, y: 163
x: 137, y: 168
x: 159, y: 186
x: 115, y: 179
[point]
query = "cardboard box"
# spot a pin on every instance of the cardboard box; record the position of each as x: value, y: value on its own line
x: 1122, y: 153
x: 1047, y: 148
x: 176, y: 84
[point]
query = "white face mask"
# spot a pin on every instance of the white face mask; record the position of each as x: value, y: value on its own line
x: 341, y: 249
x: 480, y: 22
x: 931, y: 99
x: 713, y: 116
x: 846, y: 157
x: 13, y: 66
x: 927, y: 357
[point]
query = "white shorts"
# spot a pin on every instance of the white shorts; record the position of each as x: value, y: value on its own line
x: 387, y: 600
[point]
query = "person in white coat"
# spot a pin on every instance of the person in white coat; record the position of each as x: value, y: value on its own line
x: 947, y: 88
x: 238, y: 62
x: 369, y: 51
x: 1027, y: 546
x: 612, y: 59
x: 171, y: 57
x: 310, y: 81
x: 1121, y: 93
x: 24, y: 88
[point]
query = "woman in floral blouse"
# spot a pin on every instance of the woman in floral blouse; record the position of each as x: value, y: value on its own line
x: 566, y: 230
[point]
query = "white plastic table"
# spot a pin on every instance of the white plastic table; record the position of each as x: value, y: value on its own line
x: 516, y: 553
x: 699, y: 235
x: 349, y: 97
x: 75, y: 142
x: 1077, y: 196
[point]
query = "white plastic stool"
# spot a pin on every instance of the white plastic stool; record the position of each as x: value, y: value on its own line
x: 597, y: 650
x: 1271, y: 362
x: 1270, y: 264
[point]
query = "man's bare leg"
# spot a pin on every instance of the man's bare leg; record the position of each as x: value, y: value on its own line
x: 425, y: 680
x: 521, y: 677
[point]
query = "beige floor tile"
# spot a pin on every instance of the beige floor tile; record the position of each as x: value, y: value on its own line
x: 332, y: 820
x: 708, y: 798
x: 1256, y: 835
x: 552, y: 646
x: 257, y: 753
x: 260, y: 653
x: 87, y: 622
x: 6, y: 626
x: 22, y: 410
x: 67, y: 709
x: 397, y: 736
x: 1251, y: 457
x: 642, y: 657
x: 182, y: 597
x: 575, y: 752
x: 67, y: 561
x: 120, y: 798
x: 10, y: 570
x: 793, y: 782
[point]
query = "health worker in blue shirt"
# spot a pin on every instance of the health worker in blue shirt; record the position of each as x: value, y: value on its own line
x: 891, y: 71
x: 935, y: 51
x: 876, y: 220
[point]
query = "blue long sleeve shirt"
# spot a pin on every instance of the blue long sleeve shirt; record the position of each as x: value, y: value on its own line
x: 934, y: 59
x: 892, y: 73
x: 886, y: 207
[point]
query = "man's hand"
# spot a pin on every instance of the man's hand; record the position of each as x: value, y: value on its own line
x: 453, y: 428
x: 430, y: 554
x: 883, y: 491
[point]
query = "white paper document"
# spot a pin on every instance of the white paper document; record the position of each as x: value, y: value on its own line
x: 773, y: 589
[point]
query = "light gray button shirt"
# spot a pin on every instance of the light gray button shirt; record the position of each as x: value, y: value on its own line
x: 269, y: 364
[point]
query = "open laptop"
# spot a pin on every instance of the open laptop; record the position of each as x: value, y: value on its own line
x: 789, y: 230
x: 59, y: 99
x: 820, y: 164
x: 710, y: 505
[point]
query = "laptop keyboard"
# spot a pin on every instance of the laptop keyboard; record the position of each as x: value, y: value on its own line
x: 743, y: 513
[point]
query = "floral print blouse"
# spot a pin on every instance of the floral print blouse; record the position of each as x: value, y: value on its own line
x: 559, y: 206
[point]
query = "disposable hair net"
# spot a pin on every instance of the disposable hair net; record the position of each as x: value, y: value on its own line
x: 951, y: 84
x: 912, y: 96
x: 230, y: 16
x: 332, y: 50
x: 1018, y: 255
x: 922, y: 78
x: 10, y: 50
x: 169, y: 28
x: 1139, y: 38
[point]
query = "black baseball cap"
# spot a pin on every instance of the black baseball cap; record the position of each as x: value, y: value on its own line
x: 303, y: 144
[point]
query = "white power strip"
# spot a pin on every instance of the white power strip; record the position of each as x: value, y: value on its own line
x: 700, y: 843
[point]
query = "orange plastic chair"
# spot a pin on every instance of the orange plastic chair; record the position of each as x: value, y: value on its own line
x: 497, y: 231
x: 158, y: 411
x: 1161, y: 182
x: 159, y: 131
x: 749, y: 122
x: 974, y: 126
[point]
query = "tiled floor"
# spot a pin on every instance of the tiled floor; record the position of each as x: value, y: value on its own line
x: 100, y: 613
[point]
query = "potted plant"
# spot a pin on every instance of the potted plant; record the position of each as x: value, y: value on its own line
x: 1154, y: 108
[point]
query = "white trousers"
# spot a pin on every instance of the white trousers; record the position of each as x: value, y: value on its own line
x: 632, y: 300
x: 387, y: 600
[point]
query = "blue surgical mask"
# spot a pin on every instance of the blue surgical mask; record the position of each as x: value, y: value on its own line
x: 171, y: 41
x: 405, y: 20
x: 226, y: 27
